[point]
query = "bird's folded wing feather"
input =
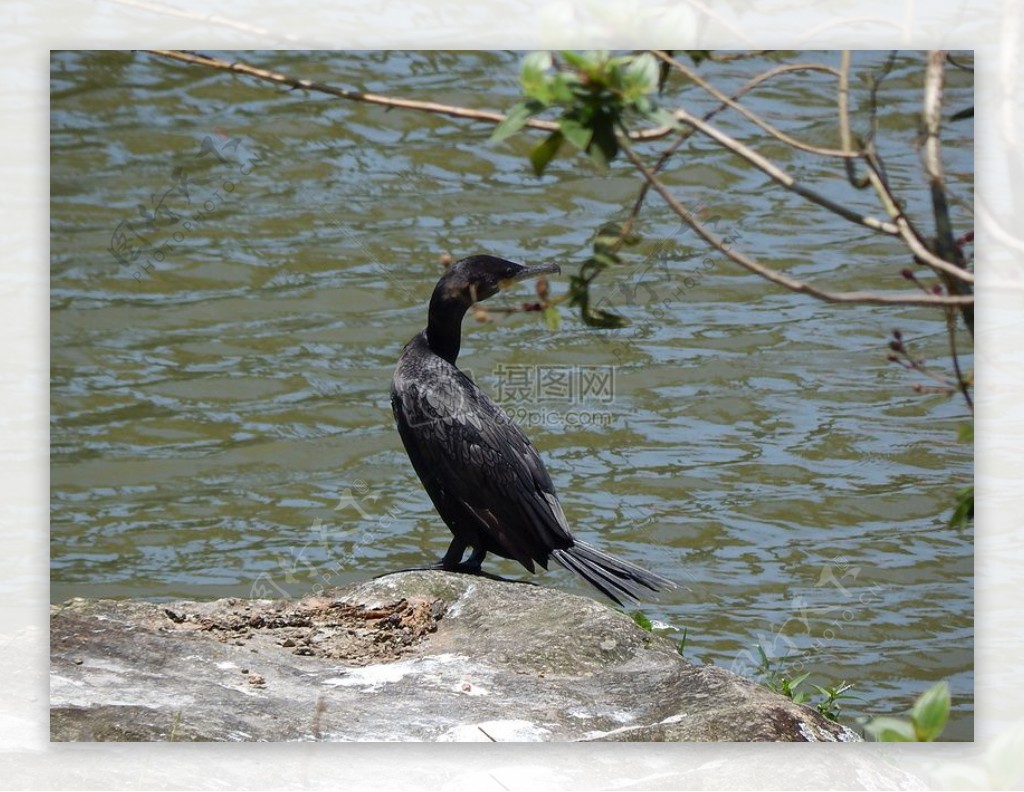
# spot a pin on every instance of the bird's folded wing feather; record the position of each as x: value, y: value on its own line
x: 472, y: 451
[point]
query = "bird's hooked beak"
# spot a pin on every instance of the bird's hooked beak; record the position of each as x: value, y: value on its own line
x: 530, y: 272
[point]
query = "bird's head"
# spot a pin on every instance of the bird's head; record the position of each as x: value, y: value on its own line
x: 476, y: 278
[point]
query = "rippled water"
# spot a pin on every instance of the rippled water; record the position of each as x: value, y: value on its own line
x: 220, y: 414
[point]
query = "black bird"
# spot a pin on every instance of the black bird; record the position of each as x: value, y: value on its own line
x: 480, y: 470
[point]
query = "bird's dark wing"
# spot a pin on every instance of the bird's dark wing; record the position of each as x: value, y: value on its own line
x: 481, y: 471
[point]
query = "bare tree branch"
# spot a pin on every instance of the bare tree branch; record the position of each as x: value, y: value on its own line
x: 487, y: 116
x: 747, y: 113
x: 904, y: 228
x: 898, y: 224
x: 773, y: 275
x: 845, y: 136
x: 945, y: 239
x: 932, y: 152
x: 875, y: 81
x: 688, y: 133
x: 961, y: 382
x: 781, y: 177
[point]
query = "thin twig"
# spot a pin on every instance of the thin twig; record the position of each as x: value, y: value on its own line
x: 958, y: 64
x: 773, y: 275
x: 910, y: 364
x: 904, y: 228
x: 961, y: 383
x: 783, y: 178
x: 845, y: 136
x: 931, y: 121
x: 901, y: 354
x: 749, y: 114
x: 932, y: 152
x: 688, y: 133
x: 876, y: 83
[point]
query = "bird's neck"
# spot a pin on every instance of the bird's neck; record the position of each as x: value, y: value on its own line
x: 444, y: 327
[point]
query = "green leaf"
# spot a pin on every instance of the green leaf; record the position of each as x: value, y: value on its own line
x: 579, y: 294
x: 604, y: 146
x: 545, y: 151
x: 578, y: 60
x: 535, y: 67
x: 576, y: 133
x: 537, y: 82
x: 642, y: 73
x: 931, y: 712
x: 964, y: 511
x: 620, y: 63
x: 643, y: 106
x: 797, y: 681
x: 514, y: 121
x: 588, y: 269
x: 965, y: 433
x: 632, y: 238
x: 552, y: 317
x: 604, y: 259
x: 885, y: 729
x: 560, y: 88
x: 838, y: 693
x: 642, y: 621
x: 608, y: 236
x: 581, y: 92
x: 595, y: 317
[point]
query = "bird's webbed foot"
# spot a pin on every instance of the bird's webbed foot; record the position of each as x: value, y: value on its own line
x: 452, y: 560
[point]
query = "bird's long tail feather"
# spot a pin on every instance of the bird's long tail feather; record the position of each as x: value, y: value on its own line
x: 613, y: 577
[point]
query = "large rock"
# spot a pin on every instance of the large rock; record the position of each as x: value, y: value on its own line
x: 411, y: 656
